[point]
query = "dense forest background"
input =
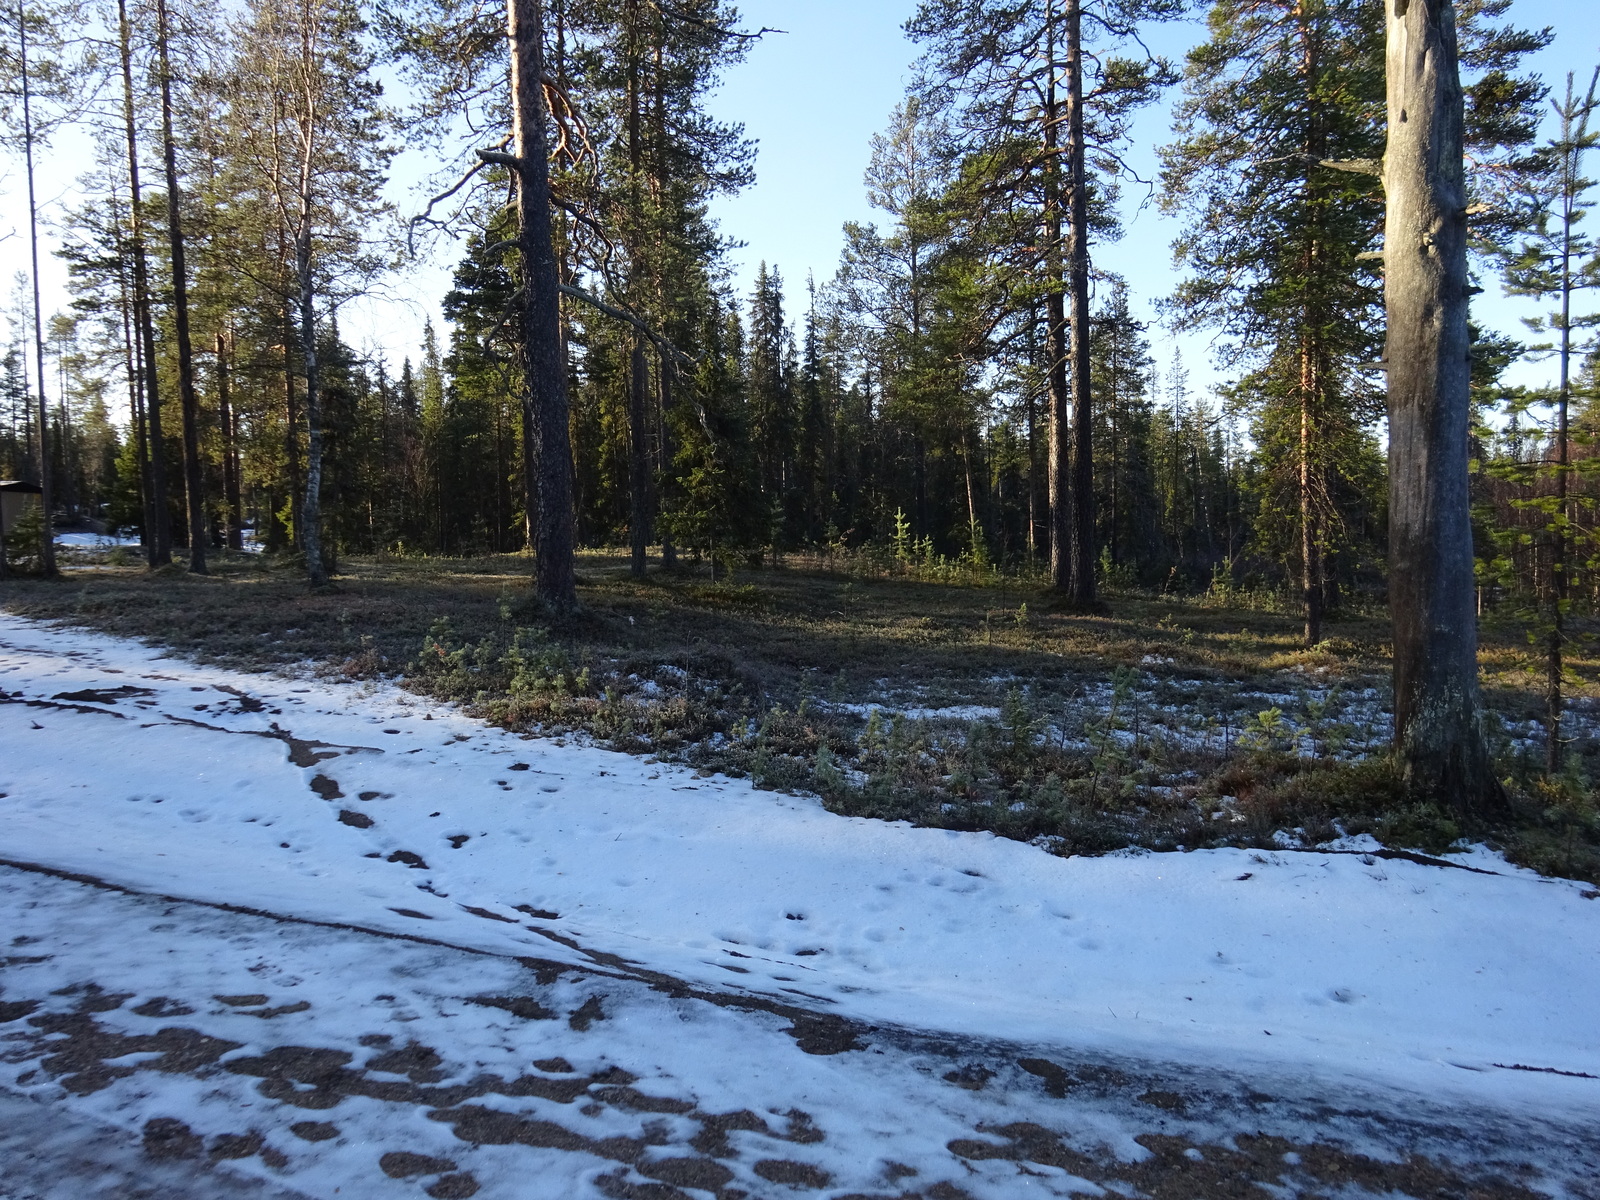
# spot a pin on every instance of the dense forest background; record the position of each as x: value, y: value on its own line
x: 903, y: 409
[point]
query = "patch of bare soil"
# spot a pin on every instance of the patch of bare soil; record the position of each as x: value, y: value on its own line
x: 1207, y: 1136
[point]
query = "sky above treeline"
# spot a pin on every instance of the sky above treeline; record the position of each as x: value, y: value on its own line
x: 813, y: 96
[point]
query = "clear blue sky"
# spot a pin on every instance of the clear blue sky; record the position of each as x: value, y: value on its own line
x: 815, y: 96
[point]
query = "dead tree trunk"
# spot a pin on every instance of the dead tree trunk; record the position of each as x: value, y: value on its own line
x: 1081, y: 589
x: 193, y: 484
x: 1438, y: 710
x: 544, y: 370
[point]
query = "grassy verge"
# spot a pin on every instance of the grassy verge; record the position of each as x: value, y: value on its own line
x: 1166, y: 722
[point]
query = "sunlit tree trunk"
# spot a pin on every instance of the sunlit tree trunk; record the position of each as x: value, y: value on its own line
x: 194, y: 490
x: 1082, y: 583
x: 1438, y: 710
x: 1057, y: 449
x: 638, y: 458
x: 544, y: 374
x: 230, y: 447
x: 153, y: 457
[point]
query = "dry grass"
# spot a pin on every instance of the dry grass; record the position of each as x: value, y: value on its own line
x: 1166, y: 721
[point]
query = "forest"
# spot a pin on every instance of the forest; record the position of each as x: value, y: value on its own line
x: 969, y: 400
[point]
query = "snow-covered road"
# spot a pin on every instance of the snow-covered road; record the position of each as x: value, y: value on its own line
x: 368, y: 809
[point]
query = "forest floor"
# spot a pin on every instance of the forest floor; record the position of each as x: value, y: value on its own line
x: 1167, y: 721
x: 285, y: 936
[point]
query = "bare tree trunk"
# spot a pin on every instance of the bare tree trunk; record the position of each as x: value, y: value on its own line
x: 133, y: 353
x: 311, y: 506
x: 193, y: 484
x: 974, y: 532
x: 1082, y: 589
x: 666, y: 368
x: 1057, y: 454
x: 1310, y: 542
x: 530, y: 481
x: 1574, y: 141
x: 1438, y: 710
x: 638, y: 459
x: 47, y: 541
x: 291, y: 435
x: 152, y: 453
x: 544, y: 372
x: 230, y: 448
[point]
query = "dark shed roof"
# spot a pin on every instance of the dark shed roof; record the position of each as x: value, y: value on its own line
x: 20, y: 485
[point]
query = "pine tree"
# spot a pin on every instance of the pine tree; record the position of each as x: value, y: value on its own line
x: 1557, y: 259
x: 1280, y: 94
x: 1040, y: 101
x: 1124, y: 480
x: 306, y: 140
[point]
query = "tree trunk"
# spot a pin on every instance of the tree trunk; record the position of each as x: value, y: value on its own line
x: 193, y: 486
x: 291, y: 432
x: 47, y: 541
x: 134, y: 357
x: 1571, y: 213
x: 974, y: 532
x: 666, y: 368
x: 1438, y: 710
x: 544, y: 371
x: 1081, y: 589
x: 1310, y: 541
x: 638, y: 458
x: 311, y: 506
x: 1056, y: 449
x: 230, y: 449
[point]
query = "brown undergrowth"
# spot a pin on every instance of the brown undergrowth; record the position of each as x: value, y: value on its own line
x: 1163, y: 722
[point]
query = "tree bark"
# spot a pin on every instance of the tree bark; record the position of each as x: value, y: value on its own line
x: 1081, y: 584
x: 47, y: 541
x: 665, y: 369
x: 1310, y: 540
x: 544, y: 371
x: 311, y: 506
x: 230, y: 449
x: 153, y: 456
x: 1438, y: 711
x: 194, y: 489
x: 1057, y: 455
x: 291, y: 432
x: 639, y: 458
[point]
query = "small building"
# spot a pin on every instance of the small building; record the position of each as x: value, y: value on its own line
x: 16, y: 498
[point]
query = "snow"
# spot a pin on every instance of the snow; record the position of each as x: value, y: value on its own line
x: 951, y: 712
x: 79, y: 540
x: 367, y: 806
x: 95, y: 541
